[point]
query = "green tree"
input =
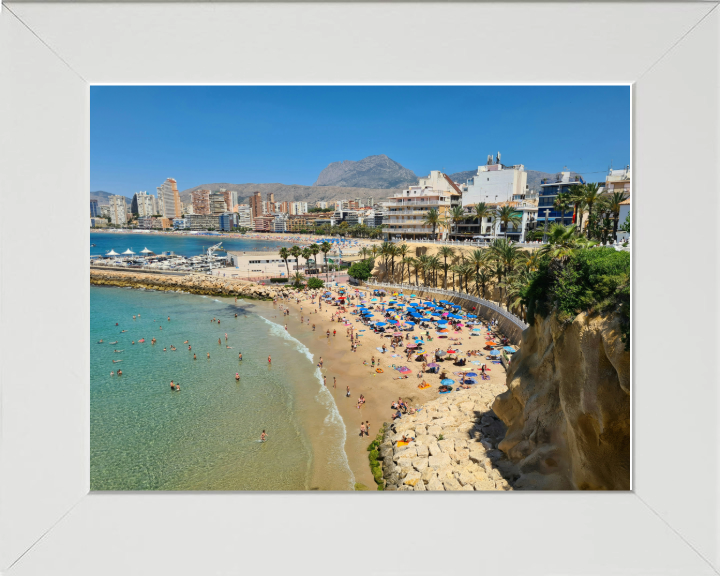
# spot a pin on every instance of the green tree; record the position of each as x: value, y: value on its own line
x: 614, y: 203
x: 562, y: 204
x: 446, y: 252
x: 325, y: 247
x: 507, y: 215
x: 295, y: 251
x: 285, y: 255
x: 314, y: 250
x: 454, y: 216
x: 315, y: 283
x: 432, y: 218
x: 590, y: 196
x: 480, y: 211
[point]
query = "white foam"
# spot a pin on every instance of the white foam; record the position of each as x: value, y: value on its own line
x: 323, y: 396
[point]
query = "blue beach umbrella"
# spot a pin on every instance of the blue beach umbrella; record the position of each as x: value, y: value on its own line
x: 410, y: 323
x: 508, y: 349
x: 495, y: 353
x: 447, y: 381
x: 413, y: 296
x: 471, y: 374
x: 380, y: 323
x: 471, y: 316
x: 445, y: 302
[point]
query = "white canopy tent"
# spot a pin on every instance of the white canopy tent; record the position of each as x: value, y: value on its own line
x: 146, y: 251
x: 112, y: 253
x: 129, y: 252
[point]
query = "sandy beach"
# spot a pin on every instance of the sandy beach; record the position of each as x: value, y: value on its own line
x: 379, y: 389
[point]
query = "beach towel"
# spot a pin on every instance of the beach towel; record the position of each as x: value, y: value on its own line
x: 401, y: 443
x: 378, y: 348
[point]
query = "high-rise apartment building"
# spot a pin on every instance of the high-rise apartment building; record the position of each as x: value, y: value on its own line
x: 271, y: 198
x: 118, y: 210
x: 245, y: 218
x: 169, y: 199
x: 94, y: 210
x: 218, y: 205
x: 143, y: 204
x: 201, y: 201
x: 256, y: 205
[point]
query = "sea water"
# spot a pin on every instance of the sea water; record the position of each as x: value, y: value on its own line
x: 183, y: 245
x: 206, y: 436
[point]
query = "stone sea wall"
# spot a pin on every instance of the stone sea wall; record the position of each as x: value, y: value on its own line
x: 567, y: 406
x: 193, y: 283
x: 455, y: 446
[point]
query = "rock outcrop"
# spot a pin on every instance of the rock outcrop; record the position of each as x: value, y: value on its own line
x: 454, y: 447
x: 193, y: 283
x: 567, y: 407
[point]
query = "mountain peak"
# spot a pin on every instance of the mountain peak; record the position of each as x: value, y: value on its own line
x: 377, y: 171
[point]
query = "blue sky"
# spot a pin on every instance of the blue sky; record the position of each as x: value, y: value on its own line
x: 241, y: 134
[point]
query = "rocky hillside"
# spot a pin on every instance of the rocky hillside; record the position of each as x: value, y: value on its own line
x: 371, y: 172
x: 102, y: 197
x: 293, y: 192
x: 567, y: 407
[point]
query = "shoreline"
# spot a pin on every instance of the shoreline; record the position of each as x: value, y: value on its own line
x: 379, y: 389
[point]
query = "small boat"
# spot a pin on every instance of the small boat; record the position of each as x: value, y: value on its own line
x: 92, y: 245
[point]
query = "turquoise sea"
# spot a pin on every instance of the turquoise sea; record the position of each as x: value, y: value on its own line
x: 206, y: 436
x: 185, y: 245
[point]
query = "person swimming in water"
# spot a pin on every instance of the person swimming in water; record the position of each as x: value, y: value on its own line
x: 229, y: 347
x: 263, y: 436
x: 186, y: 341
x: 208, y: 355
x: 164, y: 349
x: 172, y: 385
x: 114, y: 342
x: 112, y: 373
x: 194, y: 356
x: 237, y: 376
x: 119, y: 372
x: 100, y: 341
x: 239, y: 355
x: 116, y: 361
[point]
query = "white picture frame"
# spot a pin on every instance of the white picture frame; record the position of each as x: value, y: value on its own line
x: 50, y: 53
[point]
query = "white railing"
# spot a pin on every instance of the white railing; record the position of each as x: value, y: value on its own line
x: 481, y: 301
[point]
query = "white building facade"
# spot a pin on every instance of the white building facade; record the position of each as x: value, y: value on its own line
x: 495, y: 183
x: 244, y: 216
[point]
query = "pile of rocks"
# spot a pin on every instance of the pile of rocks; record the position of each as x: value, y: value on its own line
x: 455, y: 446
x: 193, y: 283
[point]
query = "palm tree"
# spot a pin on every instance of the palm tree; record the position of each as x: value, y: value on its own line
x: 614, y: 205
x: 416, y: 267
x: 562, y: 242
x: 590, y: 196
x: 467, y: 272
x: 364, y: 252
x: 480, y: 211
x: 402, y: 251
x: 507, y: 215
x: 298, y: 278
x: 455, y: 215
x: 422, y: 264
x: 285, y: 254
x: 482, y: 278
x: 374, y: 250
x: 296, y: 251
x: 446, y: 252
x: 577, y: 198
x: 306, y: 253
x: 434, y: 265
x: 393, y: 251
x: 405, y: 262
x: 314, y: 249
x: 478, y: 258
x: 562, y: 204
x: 432, y: 218
x: 325, y: 247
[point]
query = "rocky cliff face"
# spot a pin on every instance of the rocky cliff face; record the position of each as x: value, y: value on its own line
x: 567, y: 407
x: 371, y: 172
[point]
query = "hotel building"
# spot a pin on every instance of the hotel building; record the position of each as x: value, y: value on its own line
x: 406, y: 212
